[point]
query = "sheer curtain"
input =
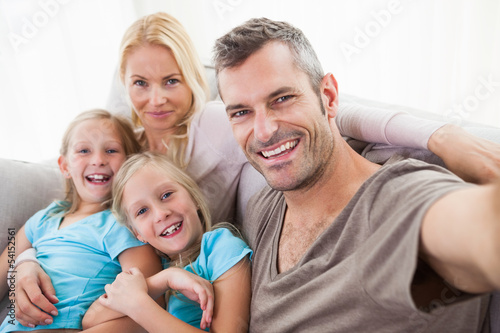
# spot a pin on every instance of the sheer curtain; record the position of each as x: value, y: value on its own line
x: 56, y: 59
x: 435, y: 55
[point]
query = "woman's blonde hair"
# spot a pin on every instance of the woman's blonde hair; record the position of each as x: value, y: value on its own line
x: 164, y: 166
x: 129, y: 143
x: 164, y: 30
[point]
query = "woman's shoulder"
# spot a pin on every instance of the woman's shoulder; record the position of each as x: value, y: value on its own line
x: 211, y: 130
x: 213, y: 115
x: 215, y: 106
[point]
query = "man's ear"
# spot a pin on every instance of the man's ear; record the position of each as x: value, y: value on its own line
x: 63, y: 166
x: 329, y: 94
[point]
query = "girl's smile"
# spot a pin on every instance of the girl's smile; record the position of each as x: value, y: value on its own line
x: 161, y: 212
x: 95, y: 154
x: 172, y: 230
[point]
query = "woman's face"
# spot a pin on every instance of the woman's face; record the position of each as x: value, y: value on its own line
x: 158, y: 91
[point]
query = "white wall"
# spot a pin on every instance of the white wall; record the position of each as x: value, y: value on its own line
x: 57, y: 57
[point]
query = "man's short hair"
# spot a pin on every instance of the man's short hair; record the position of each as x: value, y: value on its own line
x: 236, y: 46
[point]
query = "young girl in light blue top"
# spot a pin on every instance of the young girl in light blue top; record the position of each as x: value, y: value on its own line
x: 78, y: 241
x: 164, y: 207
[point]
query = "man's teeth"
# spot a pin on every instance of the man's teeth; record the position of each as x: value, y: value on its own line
x: 279, y: 150
x: 98, y: 178
x: 172, y: 229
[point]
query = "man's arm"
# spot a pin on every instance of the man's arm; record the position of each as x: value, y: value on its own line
x: 460, y: 238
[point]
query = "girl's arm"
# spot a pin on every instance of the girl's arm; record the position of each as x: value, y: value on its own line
x: 129, y: 295
x: 102, y: 319
x: 232, y: 300
x: 190, y: 285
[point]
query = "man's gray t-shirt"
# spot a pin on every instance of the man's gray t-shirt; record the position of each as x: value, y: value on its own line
x: 357, y: 276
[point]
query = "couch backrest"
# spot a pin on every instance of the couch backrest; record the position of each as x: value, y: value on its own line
x: 26, y: 188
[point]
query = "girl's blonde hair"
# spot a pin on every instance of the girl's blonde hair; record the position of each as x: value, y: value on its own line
x: 127, y: 137
x: 163, y: 165
x: 164, y: 30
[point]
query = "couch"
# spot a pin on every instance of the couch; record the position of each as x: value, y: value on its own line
x: 29, y: 187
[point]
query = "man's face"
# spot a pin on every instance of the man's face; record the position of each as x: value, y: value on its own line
x: 277, y: 118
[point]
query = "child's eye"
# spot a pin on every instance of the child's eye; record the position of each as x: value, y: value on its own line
x: 166, y: 195
x: 84, y: 151
x: 141, y: 211
x: 111, y: 151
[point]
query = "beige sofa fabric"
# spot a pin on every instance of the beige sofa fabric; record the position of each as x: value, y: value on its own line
x: 25, y: 188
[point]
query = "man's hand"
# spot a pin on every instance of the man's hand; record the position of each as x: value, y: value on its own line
x: 35, y: 296
x: 473, y: 159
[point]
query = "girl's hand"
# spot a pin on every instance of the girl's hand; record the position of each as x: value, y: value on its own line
x: 126, y: 291
x: 190, y: 285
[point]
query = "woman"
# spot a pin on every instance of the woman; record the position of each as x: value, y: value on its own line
x: 167, y: 90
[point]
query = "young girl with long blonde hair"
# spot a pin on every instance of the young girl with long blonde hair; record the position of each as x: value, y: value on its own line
x: 78, y: 241
x: 164, y: 207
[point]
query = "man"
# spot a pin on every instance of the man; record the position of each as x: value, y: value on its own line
x: 342, y: 244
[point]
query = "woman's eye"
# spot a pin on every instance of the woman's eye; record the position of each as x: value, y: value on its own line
x: 140, y: 83
x: 171, y: 82
x: 141, y: 211
x: 166, y: 195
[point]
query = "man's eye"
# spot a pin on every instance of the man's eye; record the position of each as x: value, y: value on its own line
x: 166, y: 195
x: 283, y: 99
x: 239, y: 113
x: 141, y: 211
